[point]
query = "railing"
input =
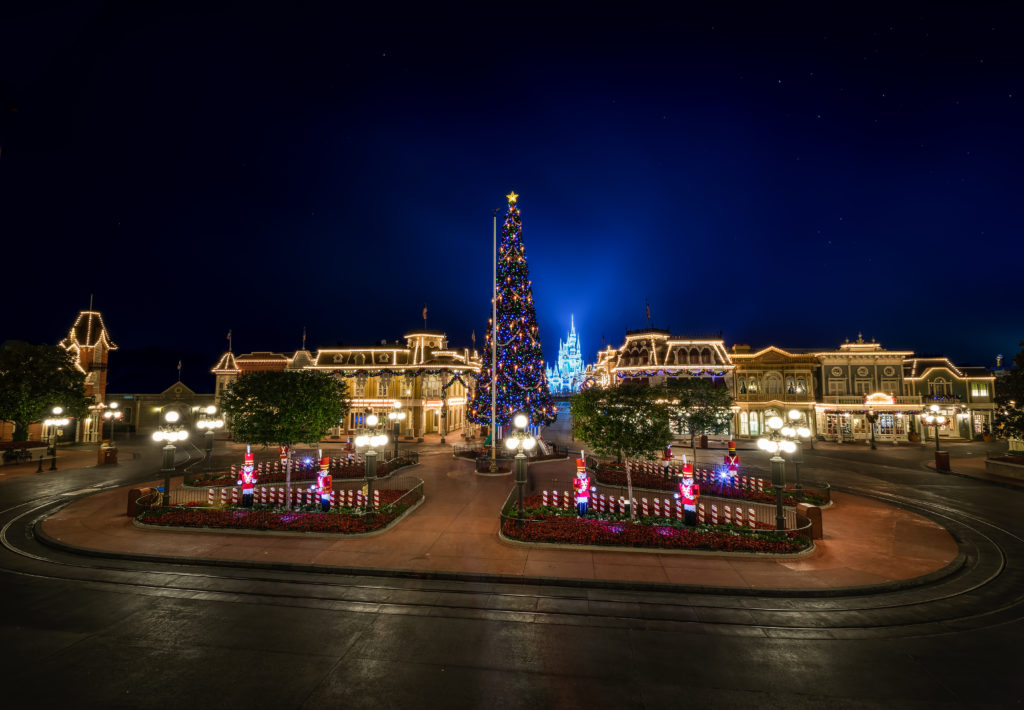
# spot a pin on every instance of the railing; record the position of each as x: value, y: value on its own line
x: 859, y: 399
x: 776, y: 397
x: 202, y: 496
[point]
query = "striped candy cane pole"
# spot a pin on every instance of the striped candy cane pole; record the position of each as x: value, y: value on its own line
x: 601, y: 503
x: 622, y: 505
x: 646, y: 510
x: 701, y: 514
x: 657, y: 507
x: 376, y: 499
x: 280, y: 496
x: 751, y: 518
x: 223, y: 496
x: 544, y: 499
x: 714, y: 514
x: 333, y: 500
x: 679, y: 510
x: 234, y: 496
x: 234, y: 471
x: 209, y: 497
x: 727, y: 515
x: 565, y: 499
x: 760, y: 485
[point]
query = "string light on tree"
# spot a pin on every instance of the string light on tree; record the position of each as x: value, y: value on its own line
x: 521, y: 382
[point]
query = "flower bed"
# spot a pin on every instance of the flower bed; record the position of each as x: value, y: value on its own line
x: 342, y: 521
x: 559, y: 526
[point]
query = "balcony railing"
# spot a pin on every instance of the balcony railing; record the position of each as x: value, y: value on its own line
x: 859, y: 399
x: 776, y: 396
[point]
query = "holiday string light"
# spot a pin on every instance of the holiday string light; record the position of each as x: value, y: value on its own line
x: 522, y: 383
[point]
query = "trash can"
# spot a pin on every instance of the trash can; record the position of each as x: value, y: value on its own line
x: 942, y: 461
x: 108, y: 455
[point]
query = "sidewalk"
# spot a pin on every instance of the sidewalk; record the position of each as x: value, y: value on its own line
x: 974, y: 467
x: 68, y: 457
x: 456, y: 531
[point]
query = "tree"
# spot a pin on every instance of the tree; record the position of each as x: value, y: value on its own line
x: 522, y: 383
x: 628, y: 421
x: 284, y: 408
x: 1009, y: 399
x: 699, y: 405
x: 36, y: 378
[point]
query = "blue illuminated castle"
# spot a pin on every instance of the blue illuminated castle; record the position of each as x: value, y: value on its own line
x: 568, y: 374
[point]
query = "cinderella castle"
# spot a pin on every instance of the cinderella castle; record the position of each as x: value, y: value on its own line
x: 568, y: 374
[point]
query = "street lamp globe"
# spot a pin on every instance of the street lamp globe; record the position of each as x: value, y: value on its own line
x: 512, y: 443
x: 803, y: 432
x: 520, y: 421
x: 113, y: 405
x: 57, y: 411
x: 171, y: 416
x: 775, y: 422
x: 362, y: 440
x: 529, y: 442
x: 371, y: 420
x: 788, y: 446
x: 794, y: 415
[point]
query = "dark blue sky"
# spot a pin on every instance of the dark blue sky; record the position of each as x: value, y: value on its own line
x: 785, y: 175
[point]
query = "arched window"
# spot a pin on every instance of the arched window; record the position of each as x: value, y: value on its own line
x: 755, y: 428
x: 743, y: 390
x: 644, y: 357
x: 801, y: 385
x: 773, y: 384
x: 790, y: 386
x: 744, y: 427
x: 705, y: 357
x: 694, y: 356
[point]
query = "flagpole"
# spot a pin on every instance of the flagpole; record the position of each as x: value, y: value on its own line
x: 494, y: 346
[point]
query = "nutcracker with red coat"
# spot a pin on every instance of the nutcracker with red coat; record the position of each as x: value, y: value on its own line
x: 247, y: 478
x: 666, y: 461
x: 688, y: 493
x: 732, y: 463
x: 581, y: 487
x: 324, y: 484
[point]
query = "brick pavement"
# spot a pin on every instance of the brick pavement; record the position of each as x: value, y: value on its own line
x: 455, y: 531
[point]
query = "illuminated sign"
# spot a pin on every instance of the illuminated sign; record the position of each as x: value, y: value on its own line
x: 879, y: 398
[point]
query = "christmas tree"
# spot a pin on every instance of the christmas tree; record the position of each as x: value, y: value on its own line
x: 522, y: 384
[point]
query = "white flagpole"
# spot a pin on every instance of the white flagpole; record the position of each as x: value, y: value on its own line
x: 494, y: 347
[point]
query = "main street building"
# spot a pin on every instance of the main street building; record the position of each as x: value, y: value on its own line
x: 430, y: 380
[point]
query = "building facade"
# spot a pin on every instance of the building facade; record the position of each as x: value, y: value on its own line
x: 429, y: 380
x: 965, y: 395
x: 771, y: 382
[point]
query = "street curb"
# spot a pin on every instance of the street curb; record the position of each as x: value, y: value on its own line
x: 900, y: 585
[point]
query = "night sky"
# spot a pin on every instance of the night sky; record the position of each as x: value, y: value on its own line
x: 779, y: 175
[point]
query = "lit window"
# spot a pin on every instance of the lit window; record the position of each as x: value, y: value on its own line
x: 744, y: 427
x: 979, y: 389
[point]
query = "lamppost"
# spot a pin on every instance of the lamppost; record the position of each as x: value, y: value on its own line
x: 112, y: 414
x: 932, y: 418
x: 781, y: 437
x: 57, y: 420
x: 210, y: 423
x: 397, y: 416
x: 170, y: 431
x: 519, y: 441
x: 872, y: 417
x: 371, y: 437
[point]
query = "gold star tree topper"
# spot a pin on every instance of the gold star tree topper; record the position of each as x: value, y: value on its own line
x: 512, y: 197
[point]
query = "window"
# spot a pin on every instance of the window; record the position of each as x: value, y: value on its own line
x: 862, y: 386
x: 773, y: 383
x: 432, y: 386
x: 890, y: 386
x: 790, y: 386
x: 755, y: 428
x: 979, y: 389
x: 801, y: 385
x: 743, y: 389
x: 938, y: 387
x: 705, y: 357
x: 359, y: 387
x: 382, y: 387
x: 837, y: 388
x: 744, y: 428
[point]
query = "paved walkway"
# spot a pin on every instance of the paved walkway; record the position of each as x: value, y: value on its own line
x: 455, y: 530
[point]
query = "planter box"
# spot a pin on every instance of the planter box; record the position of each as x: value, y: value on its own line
x: 1005, y: 468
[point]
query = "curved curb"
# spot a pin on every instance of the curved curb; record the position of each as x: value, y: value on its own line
x: 510, y: 579
x: 280, y: 533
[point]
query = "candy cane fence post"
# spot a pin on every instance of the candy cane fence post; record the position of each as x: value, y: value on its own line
x: 657, y: 507
x: 565, y: 499
x: 234, y: 496
x: 223, y: 496
x: 209, y: 497
x: 727, y: 515
x: 376, y: 499
x: 643, y: 503
x: 714, y: 514
x: 544, y: 499
x: 701, y: 515
x: 751, y: 517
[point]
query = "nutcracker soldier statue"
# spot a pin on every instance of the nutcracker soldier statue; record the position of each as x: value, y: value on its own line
x: 732, y: 463
x: 581, y: 487
x: 247, y: 478
x: 666, y: 461
x: 324, y: 483
x: 688, y: 494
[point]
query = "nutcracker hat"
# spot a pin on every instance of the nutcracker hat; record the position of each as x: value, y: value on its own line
x: 732, y: 447
x: 325, y: 463
x: 687, y: 470
x: 581, y: 465
x: 249, y: 458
